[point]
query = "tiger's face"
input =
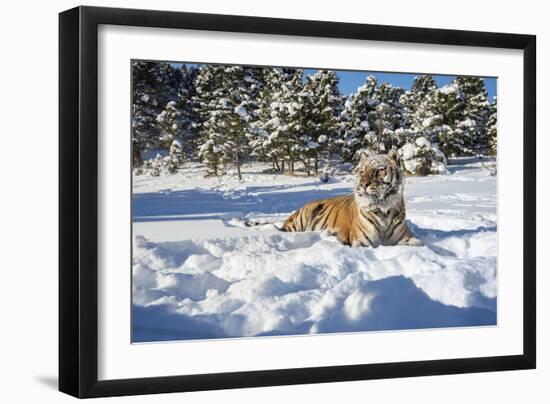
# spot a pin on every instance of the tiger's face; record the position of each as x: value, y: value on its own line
x: 378, y: 178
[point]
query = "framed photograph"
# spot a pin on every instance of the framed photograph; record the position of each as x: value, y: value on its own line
x: 251, y: 201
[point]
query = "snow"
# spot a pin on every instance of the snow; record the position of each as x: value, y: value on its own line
x: 199, y: 272
x: 415, y: 155
x: 241, y: 111
x: 423, y: 142
x: 448, y: 89
x: 408, y: 151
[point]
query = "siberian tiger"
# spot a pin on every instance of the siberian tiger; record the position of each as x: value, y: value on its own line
x: 373, y: 215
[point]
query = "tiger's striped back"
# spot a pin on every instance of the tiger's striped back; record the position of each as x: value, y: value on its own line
x: 341, y: 217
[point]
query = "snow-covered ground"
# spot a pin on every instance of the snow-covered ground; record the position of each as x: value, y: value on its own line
x: 199, y: 273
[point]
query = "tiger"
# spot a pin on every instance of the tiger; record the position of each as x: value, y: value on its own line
x: 371, y: 216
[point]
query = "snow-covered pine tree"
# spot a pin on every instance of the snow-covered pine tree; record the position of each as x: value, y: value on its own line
x: 491, y: 127
x: 252, y: 83
x: 423, y: 86
x: 476, y: 111
x: 356, y: 128
x: 452, y: 117
x: 226, y: 99
x: 170, y: 123
x: 296, y: 143
x: 386, y: 117
x: 232, y: 114
x: 373, y: 118
x: 280, y: 118
x: 323, y: 106
x: 188, y: 117
x: 176, y: 156
x: 209, y: 84
x: 422, y: 157
x: 307, y: 148
x: 154, y: 84
x: 266, y: 144
x: 420, y: 119
x: 156, y: 166
x: 453, y: 133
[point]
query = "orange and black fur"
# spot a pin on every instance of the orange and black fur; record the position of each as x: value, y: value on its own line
x: 373, y: 215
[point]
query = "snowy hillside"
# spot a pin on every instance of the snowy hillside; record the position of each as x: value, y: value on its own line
x: 199, y: 273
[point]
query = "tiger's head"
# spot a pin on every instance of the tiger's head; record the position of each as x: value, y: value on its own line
x: 378, y: 181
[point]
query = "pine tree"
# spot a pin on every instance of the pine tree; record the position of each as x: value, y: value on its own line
x: 232, y: 115
x: 421, y: 157
x: 258, y: 146
x: 357, y: 132
x: 250, y: 81
x: 175, y: 156
x: 323, y: 106
x: 386, y: 116
x: 290, y: 114
x: 155, y: 166
x: 188, y: 116
x: 226, y: 100
x: 491, y: 127
x: 452, y: 132
x: 171, y: 123
x: 266, y: 143
x: 373, y: 118
x: 281, y: 119
x: 154, y: 84
x: 459, y: 115
x: 423, y: 127
x: 476, y: 111
x: 209, y: 91
x: 420, y: 119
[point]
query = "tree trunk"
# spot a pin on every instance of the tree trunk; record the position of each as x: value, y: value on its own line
x: 237, y: 161
x: 290, y: 167
x: 316, y: 164
x: 237, y: 151
x: 305, y: 162
x: 136, y: 157
x: 215, y: 168
x: 276, y: 164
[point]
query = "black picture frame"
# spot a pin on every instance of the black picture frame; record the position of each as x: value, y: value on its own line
x: 78, y: 201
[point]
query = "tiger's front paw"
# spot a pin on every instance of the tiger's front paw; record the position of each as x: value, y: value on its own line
x: 361, y: 243
x: 411, y: 241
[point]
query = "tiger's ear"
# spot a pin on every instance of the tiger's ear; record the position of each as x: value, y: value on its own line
x: 364, y: 155
x: 394, y: 156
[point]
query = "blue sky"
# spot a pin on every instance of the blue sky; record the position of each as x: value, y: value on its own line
x: 350, y: 80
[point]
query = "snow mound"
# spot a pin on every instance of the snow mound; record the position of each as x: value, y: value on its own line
x: 295, y: 283
x: 422, y: 157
